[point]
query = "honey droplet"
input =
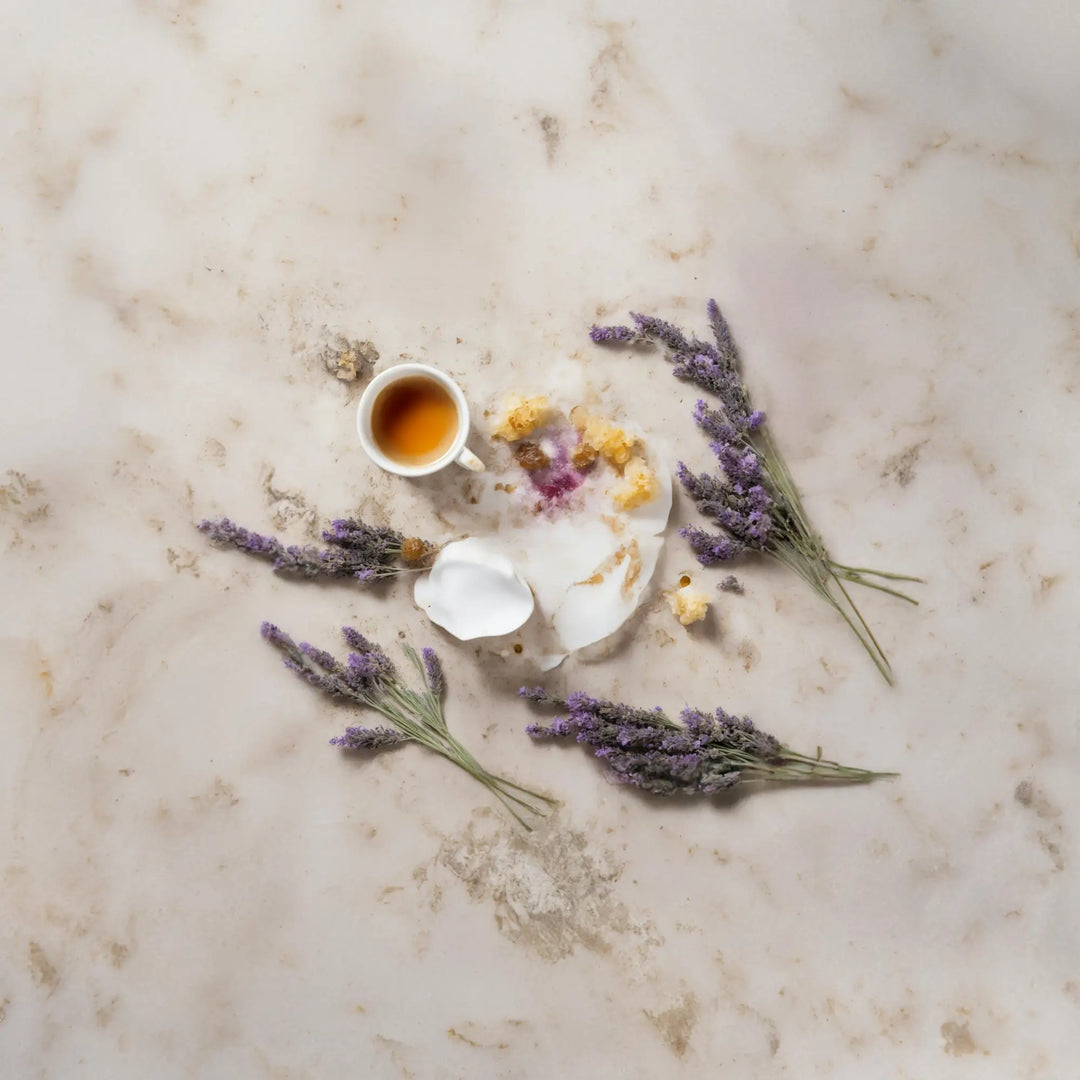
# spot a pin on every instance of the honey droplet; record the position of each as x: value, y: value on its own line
x: 518, y: 648
x: 684, y: 580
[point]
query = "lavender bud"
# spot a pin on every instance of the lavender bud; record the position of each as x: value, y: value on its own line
x: 433, y: 670
x: 609, y: 334
x: 361, y: 738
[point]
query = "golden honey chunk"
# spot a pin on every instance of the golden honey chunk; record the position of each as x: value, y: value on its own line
x: 521, y: 418
x: 639, y: 485
x: 687, y: 606
x: 612, y: 443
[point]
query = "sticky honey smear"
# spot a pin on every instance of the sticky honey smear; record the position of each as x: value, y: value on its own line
x: 633, y: 571
x: 629, y: 551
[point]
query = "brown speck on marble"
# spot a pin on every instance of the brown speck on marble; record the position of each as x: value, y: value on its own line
x: 1048, y: 581
x: 612, y: 64
x: 676, y: 1023
x: 1053, y: 849
x: 901, y: 467
x: 42, y: 969
x: 958, y: 1040
x: 549, y: 127
x: 183, y: 561
x: 214, y: 452
x: 220, y: 795
x: 22, y: 498
x: 857, y: 102
x: 748, y: 654
x: 288, y: 506
x: 1028, y: 795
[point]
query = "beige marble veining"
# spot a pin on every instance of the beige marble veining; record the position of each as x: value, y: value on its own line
x: 197, y: 199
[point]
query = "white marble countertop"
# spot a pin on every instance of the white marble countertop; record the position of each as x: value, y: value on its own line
x: 195, y: 197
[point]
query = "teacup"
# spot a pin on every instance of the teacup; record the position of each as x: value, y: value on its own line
x: 413, y: 420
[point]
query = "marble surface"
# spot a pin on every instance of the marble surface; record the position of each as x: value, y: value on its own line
x: 196, y: 197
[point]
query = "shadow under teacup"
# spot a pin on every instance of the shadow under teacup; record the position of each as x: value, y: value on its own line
x: 413, y: 420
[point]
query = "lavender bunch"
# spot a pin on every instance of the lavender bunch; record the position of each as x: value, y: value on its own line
x: 369, y: 678
x: 752, y: 498
x: 357, y: 550
x: 705, y: 754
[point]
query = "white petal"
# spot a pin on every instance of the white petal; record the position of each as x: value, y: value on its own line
x: 473, y: 590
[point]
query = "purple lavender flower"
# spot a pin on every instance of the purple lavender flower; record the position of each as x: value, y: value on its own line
x: 534, y: 693
x: 704, y: 754
x: 320, y: 657
x: 433, y: 671
x: 714, y: 423
x: 368, y: 663
x: 752, y: 497
x: 741, y: 509
x: 651, y: 327
x: 610, y: 334
x: 725, y: 343
x: 710, y: 548
x: 327, y: 678
x: 361, y: 738
x: 357, y: 550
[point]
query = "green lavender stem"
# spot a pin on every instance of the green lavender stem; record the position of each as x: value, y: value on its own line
x: 802, y: 550
x: 416, y: 715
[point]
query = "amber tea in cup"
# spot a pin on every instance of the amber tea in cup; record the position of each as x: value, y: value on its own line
x: 414, y: 420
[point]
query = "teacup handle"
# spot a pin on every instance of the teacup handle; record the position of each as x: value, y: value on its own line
x: 468, y: 460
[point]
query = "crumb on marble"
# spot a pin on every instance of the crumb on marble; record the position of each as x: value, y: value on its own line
x: 688, y: 606
x: 349, y: 360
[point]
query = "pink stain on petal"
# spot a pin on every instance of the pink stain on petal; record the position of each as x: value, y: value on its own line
x: 560, y: 479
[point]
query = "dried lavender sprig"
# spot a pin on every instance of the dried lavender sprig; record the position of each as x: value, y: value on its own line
x: 375, y: 738
x: 358, y: 550
x: 753, y: 498
x: 703, y: 754
x: 369, y: 678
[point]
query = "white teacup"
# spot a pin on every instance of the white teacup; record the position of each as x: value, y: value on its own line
x: 454, y: 449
